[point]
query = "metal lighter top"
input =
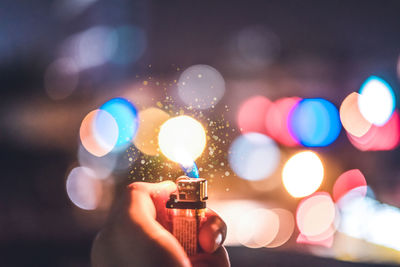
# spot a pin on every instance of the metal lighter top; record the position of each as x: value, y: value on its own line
x: 191, y: 194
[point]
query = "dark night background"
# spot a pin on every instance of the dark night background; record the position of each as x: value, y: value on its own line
x: 325, y: 49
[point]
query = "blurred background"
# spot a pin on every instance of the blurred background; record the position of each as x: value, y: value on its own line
x: 297, y: 100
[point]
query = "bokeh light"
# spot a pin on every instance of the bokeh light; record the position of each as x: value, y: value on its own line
x: 286, y: 227
x: 61, y: 78
x: 150, y: 121
x: 377, y: 100
x: 251, y: 115
x: 102, y: 167
x: 257, y: 228
x: 302, y: 174
x: 130, y: 45
x: 367, y: 219
x: 125, y: 115
x: 326, y: 236
x: 356, y: 193
x: 125, y: 160
x: 277, y: 120
x: 386, y: 137
x: 352, y: 119
x: 315, y: 122
x: 182, y: 139
x: 201, y: 86
x: 98, y: 132
x: 265, y: 185
x: 254, y: 156
x: 315, y: 214
x: 356, y: 215
x: 231, y: 211
x: 398, y: 67
x: 347, y: 181
x: 83, y: 189
x: 92, y: 47
x: 253, y: 48
x: 327, y: 242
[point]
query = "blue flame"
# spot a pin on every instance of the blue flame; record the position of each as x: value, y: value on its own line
x: 191, y: 171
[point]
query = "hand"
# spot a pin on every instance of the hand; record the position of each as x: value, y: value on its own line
x: 135, y: 236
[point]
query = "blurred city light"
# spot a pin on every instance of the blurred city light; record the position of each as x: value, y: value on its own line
x: 83, y: 188
x: 201, y: 86
x: 356, y: 215
x: 377, y: 100
x: 348, y: 181
x: 324, y: 242
x: 315, y: 122
x: 277, y: 120
x: 356, y: 193
x: 98, y: 132
x: 252, y: 225
x: 254, y: 156
x: 386, y: 137
x: 125, y: 160
x: 91, y: 48
x: 125, y: 115
x: 257, y: 228
x: 286, y: 227
x: 253, y: 48
x: 251, y: 115
x: 352, y: 119
x: 398, y: 67
x: 61, y: 78
x: 352, y: 249
x: 265, y: 185
x: 303, y: 174
x: 182, y: 139
x: 365, y: 218
x: 315, y: 216
x: 131, y: 43
x: 150, y: 121
x: 231, y: 211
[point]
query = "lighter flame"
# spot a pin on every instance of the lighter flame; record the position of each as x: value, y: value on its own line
x: 182, y: 139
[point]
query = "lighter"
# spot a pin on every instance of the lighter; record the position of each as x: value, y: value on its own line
x: 186, y: 211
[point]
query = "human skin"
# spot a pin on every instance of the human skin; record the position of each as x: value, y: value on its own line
x: 136, y: 235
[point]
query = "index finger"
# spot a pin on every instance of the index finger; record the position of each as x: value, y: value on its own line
x: 212, y: 233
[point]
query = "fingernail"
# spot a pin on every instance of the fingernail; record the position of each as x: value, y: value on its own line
x: 187, y: 263
x: 218, y: 241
